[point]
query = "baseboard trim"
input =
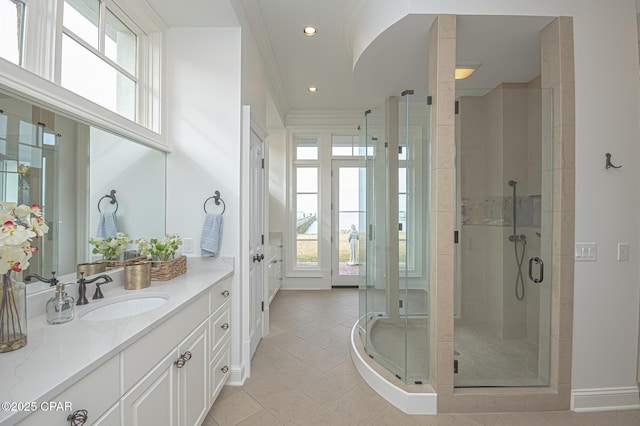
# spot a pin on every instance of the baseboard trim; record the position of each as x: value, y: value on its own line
x: 605, y: 399
x: 237, y: 376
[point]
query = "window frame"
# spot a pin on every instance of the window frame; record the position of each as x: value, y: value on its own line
x: 104, y: 6
x: 36, y: 78
x: 295, y: 268
x: 21, y: 29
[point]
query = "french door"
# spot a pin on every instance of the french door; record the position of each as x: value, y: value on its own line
x: 348, y: 180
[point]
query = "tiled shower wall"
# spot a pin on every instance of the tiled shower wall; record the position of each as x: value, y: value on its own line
x: 558, y: 75
x: 499, y: 140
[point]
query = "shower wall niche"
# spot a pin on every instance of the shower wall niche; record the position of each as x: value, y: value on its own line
x: 502, y: 326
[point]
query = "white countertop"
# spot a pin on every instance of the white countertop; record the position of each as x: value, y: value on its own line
x: 57, y: 356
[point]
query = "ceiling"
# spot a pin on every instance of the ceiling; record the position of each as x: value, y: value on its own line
x: 507, y: 47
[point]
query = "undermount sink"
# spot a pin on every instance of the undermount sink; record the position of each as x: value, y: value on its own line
x: 124, y: 308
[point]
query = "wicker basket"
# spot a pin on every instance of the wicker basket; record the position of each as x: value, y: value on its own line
x: 168, y: 269
x: 113, y: 264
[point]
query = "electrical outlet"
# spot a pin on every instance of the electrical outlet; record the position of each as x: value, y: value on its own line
x: 623, y: 251
x: 187, y: 245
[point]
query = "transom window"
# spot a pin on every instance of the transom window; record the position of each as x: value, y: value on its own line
x: 307, y: 149
x: 12, y: 14
x: 99, y: 55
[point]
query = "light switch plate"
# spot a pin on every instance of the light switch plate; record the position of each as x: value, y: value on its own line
x: 586, y: 252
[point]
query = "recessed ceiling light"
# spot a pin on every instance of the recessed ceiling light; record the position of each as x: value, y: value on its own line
x: 465, y: 70
x: 313, y: 89
x: 310, y: 31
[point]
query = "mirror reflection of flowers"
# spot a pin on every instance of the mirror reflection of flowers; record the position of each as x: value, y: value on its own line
x: 112, y: 247
x: 164, y: 249
x: 19, y: 224
x: 23, y: 175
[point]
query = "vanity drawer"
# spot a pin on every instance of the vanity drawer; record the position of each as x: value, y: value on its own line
x: 219, y: 371
x: 220, y: 294
x: 138, y: 358
x: 220, y: 326
x: 95, y: 393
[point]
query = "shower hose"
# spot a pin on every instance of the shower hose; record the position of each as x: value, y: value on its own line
x: 519, y: 239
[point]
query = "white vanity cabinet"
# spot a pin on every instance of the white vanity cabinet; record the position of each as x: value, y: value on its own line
x: 169, y: 376
x: 174, y: 392
x: 94, y: 393
x: 181, y: 388
x: 275, y: 265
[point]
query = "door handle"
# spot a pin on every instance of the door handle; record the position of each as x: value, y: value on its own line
x: 539, y: 262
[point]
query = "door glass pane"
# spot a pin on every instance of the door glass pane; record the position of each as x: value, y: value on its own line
x: 343, y: 146
x: 82, y: 18
x: 11, y: 30
x: 120, y: 43
x: 349, y: 214
x: 502, y: 334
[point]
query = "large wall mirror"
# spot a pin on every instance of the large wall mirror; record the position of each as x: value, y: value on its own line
x: 68, y: 167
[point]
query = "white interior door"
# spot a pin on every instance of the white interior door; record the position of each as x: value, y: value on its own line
x: 257, y: 228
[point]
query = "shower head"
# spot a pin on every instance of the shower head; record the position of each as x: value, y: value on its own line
x: 513, y: 183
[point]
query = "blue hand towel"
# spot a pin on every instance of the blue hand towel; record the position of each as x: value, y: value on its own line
x: 211, y: 235
x: 107, y: 225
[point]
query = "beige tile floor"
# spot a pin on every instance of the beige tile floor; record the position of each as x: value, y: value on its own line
x: 302, y: 374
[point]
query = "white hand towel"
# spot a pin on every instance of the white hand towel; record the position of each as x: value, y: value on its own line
x: 107, y: 225
x: 211, y: 235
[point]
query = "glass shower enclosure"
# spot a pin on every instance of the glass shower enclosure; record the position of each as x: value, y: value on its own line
x: 504, y: 180
x: 394, y: 280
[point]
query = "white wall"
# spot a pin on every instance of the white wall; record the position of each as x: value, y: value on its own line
x: 606, y: 296
x: 203, y: 67
x: 137, y: 174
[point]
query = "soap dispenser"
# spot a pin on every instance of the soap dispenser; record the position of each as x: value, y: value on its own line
x: 60, y: 307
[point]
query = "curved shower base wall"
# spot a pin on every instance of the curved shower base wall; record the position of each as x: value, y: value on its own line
x: 411, y: 399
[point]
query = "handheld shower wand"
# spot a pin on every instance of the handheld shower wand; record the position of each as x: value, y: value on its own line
x: 517, y: 239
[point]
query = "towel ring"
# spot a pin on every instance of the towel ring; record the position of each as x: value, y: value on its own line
x: 217, y: 199
x: 112, y: 197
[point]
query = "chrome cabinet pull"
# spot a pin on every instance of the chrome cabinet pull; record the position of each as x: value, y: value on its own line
x: 537, y: 261
x: 225, y: 293
x: 224, y: 369
x: 78, y: 417
x: 225, y: 326
x: 182, y: 360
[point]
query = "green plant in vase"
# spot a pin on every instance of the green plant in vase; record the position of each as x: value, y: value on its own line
x: 111, y: 248
x: 161, y: 250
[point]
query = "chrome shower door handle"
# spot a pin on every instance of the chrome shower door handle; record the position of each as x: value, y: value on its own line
x: 539, y: 262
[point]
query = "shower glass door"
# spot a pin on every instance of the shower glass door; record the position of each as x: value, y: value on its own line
x: 504, y: 221
x: 394, y: 290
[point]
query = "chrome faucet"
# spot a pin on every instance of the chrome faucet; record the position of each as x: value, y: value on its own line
x: 52, y: 281
x: 82, y: 287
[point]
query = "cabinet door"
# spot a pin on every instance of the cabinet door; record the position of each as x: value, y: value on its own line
x: 153, y: 400
x: 192, y: 378
x: 110, y: 418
